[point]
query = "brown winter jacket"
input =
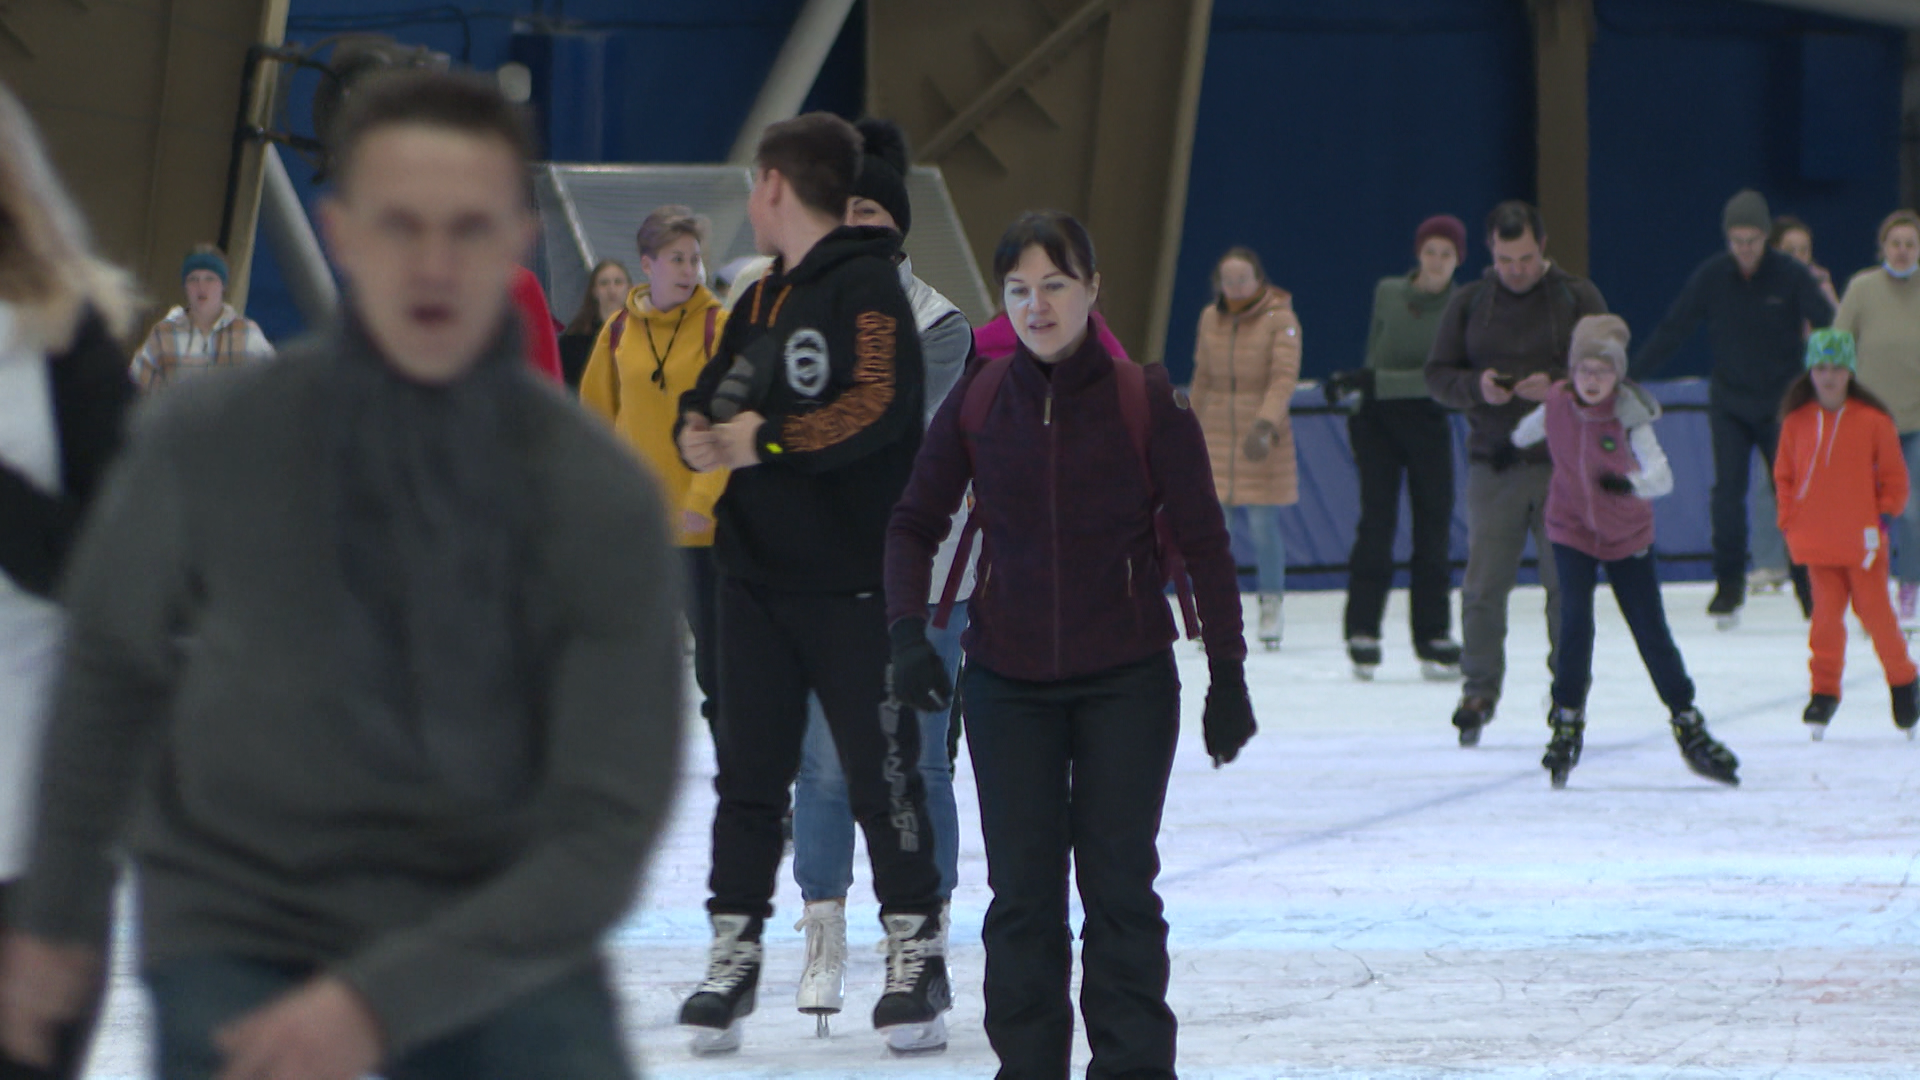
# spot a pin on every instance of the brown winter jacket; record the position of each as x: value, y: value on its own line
x: 1244, y: 369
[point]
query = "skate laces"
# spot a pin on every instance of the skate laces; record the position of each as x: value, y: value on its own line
x: 824, y: 947
x: 728, y: 962
x: 907, y: 958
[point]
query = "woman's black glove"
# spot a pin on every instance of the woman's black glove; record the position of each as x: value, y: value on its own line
x: 1228, y: 720
x: 1616, y: 483
x: 919, y: 677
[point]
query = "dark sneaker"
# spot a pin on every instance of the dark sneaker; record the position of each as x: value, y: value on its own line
x: 1906, y: 707
x: 1473, y: 714
x: 1820, y: 710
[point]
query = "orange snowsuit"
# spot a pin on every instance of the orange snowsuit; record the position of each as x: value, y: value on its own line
x: 1835, y: 476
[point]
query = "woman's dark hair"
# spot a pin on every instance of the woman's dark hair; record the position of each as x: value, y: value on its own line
x: 1785, y: 224
x: 1514, y: 219
x: 1055, y: 232
x: 1802, y: 392
x: 587, y: 320
x: 1245, y: 255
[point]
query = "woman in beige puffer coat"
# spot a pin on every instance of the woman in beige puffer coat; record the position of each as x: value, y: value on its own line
x: 1246, y: 361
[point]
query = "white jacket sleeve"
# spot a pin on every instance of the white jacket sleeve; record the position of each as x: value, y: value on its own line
x: 1532, y: 430
x: 1654, y: 477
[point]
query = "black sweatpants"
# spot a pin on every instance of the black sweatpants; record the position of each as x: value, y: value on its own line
x: 70, y: 1045
x: 1391, y: 440
x: 1735, y: 438
x: 775, y: 647
x: 1077, y: 767
x: 703, y: 598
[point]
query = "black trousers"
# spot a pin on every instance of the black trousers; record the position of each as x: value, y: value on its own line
x: 703, y: 598
x: 1735, y: 438
x: 775, y: 647
x: 1636, y: 588
x: 70, y: 1047
x: 1392, y: 440
x: 1075, y: 768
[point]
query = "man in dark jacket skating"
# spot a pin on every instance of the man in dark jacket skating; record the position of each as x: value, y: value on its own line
x: 1502, y: 342
x: 814, y: 399
x: 1758, y: 304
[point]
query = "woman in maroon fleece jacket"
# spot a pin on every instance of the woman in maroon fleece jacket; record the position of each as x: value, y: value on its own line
x: 1072, y: 698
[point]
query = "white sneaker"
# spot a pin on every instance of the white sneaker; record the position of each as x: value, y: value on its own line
x: 823, y: 984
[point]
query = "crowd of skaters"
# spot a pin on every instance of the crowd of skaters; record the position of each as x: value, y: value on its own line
x: 460, y: 600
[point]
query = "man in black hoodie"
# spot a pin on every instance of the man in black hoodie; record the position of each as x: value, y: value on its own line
x: 814, y: 400
x: 1758, y: 304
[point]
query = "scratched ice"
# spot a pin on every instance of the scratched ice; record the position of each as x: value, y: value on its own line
x: 1359, y: 897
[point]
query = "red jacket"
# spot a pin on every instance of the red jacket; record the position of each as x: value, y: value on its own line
x: 543, y: 346
x: 1069, y: 581
x: 1835, y: 475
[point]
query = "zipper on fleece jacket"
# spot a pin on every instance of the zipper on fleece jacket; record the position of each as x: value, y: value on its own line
x: 1053, y: 502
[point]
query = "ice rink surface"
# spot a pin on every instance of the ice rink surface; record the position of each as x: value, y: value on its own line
x: 1358, y: 896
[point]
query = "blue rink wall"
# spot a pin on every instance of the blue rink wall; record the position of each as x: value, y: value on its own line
x: 1319, y: 529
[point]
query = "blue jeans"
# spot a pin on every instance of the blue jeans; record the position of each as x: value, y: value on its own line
x: 1636, y: 587
x: 567, y: 1030
x: 1908, y: 564
x: 1261, y: 526
x: 822, y: 817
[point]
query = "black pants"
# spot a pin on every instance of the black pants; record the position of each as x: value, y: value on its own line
x: 1636, y: 588
x: 1735, y: 438
x: 1077, y: 767
x: 703, y: 598
x: 775, y: 647
x: 1392, y: 439
x: 70, y: 1046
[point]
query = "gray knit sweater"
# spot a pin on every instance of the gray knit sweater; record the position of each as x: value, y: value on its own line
x: 198, y: 723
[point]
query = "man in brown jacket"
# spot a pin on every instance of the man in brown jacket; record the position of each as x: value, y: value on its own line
x: 1501, y: 343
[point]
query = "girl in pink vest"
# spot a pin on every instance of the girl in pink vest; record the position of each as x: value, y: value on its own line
x: 1607, y: 467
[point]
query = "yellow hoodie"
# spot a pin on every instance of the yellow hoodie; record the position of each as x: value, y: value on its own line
x: 674, y: 346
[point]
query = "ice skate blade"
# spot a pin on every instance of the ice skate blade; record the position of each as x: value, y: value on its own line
x: 822, y: 1025
x: 1364, y: 672
x: 1470, y: 736
x: 1271, y: 644
x: 918, y: 1040
x: 1559, y: 779
x: 1726, y: 622
x: 1434, y: 671
x: 708, y: 1042
x: 1819, y: 731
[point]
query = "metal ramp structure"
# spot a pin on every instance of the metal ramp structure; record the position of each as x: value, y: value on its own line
x: 591, y: 212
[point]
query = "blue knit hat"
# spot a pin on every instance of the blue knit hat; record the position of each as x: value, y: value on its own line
x: 1832, y: 348
x: 204, y: 260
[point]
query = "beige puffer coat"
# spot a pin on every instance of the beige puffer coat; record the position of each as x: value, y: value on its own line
x: 1244, y: 369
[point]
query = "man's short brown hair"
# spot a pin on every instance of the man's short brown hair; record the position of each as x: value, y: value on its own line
x: 819, y: 155
x: 460, y: 102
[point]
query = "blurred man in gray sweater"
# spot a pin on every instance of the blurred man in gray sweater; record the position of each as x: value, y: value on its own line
x: 373, y: 672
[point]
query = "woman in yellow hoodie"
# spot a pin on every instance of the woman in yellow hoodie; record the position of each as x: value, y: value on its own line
x: 647, y: 356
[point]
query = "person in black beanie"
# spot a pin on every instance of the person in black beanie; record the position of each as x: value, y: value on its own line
x: 823, y: 822
x: 814, y: 398
x: 1757, y: 304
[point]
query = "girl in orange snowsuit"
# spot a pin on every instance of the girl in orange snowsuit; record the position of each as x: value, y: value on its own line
x: 1838, y: 475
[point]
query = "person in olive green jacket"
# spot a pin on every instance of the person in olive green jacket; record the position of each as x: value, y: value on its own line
x: 1401, y: 431
x: 647, y: 356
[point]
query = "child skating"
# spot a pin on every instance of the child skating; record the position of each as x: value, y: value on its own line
x: 1607, y: 466
x: 1838, y: 476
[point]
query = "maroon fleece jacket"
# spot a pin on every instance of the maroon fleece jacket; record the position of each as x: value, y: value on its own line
x: 1069, y: 582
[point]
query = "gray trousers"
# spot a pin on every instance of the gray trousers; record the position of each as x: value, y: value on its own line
x: 1502, y: 508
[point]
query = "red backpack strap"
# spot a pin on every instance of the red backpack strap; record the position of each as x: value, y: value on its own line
x: 973, y: 414
x: 713, y: 318
x: 1135, y: 412
x: 616, y: 331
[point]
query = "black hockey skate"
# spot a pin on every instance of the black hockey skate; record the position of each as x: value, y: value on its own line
x: 1725, y: 605
x: 1563, y: 750
x: 917, y: 991
x: 1819, y: 713
x: 1365, y: 654
x: 1703, y: 753
x: 1473, y: 714
x: 1439, y: 659
x: 1906, y: 707
x: 727, y: 994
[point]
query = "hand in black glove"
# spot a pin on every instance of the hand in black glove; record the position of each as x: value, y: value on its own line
x: 1228, y: 720
x: 918, y: 678
x: 1260, y: 439
x: 1616, y: 483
